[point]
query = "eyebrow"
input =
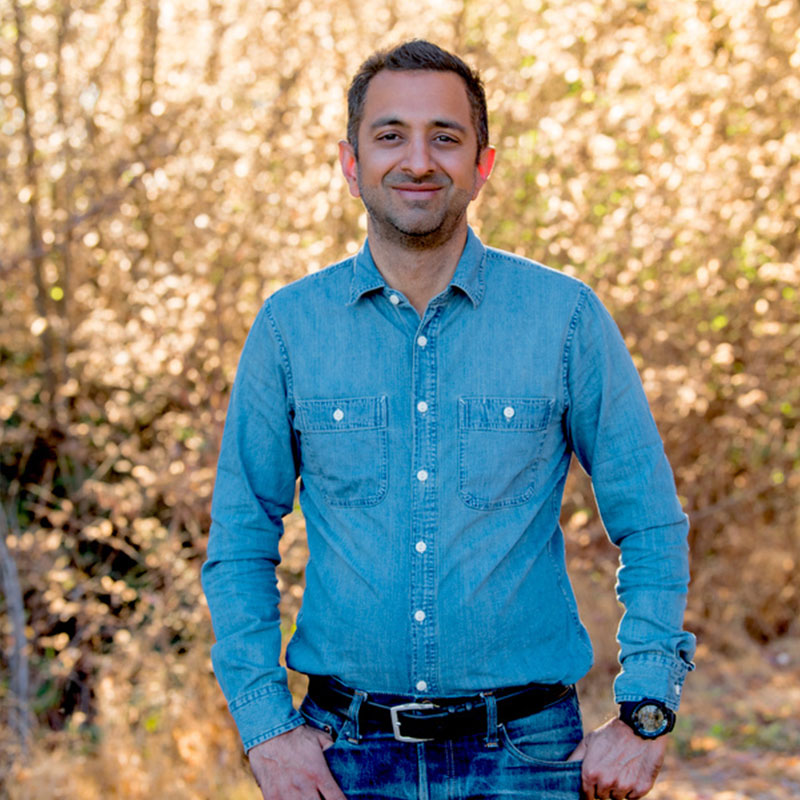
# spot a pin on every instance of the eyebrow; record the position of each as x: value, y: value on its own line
x: 437, y: 123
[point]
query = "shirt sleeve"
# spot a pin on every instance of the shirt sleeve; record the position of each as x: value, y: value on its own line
x: 614, y: 437
x: 254, y: 490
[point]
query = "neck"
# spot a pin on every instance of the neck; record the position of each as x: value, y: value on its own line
x: 420, y: 274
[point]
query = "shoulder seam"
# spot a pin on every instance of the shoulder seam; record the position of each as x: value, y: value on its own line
x: 530, y: 263
x: 583, y: 295
x: 321, y: 274
x: 287, y: 366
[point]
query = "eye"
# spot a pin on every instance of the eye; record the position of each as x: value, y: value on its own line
x: 445, y: 138
x: 389, y: 136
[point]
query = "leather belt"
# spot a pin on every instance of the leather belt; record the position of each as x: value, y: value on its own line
x: 412, y: 720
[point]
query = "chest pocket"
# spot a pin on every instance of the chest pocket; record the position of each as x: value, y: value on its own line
x: 499, y: 443
x: 343, y: 445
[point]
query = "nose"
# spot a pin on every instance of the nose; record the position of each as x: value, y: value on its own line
x: 418, y: 159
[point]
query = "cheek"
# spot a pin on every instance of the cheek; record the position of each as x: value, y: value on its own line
x: 465, y: 175
x: 371, y: 174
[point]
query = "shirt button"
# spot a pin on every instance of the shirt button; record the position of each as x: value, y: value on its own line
x: 422, y: 475
x: 422, y: 341
x: 421, y: 686
x: 420, y: 547
x: 419, y: 616
x: 338, y: 415
x: 508, y: 412
x: 394, y: 299
x: 422, y: 406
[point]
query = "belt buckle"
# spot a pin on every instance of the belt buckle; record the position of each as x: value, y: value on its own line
x: 393, y: 712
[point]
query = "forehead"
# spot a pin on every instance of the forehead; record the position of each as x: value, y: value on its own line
x: 417, y: 97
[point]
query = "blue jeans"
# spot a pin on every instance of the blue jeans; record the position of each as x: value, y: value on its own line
x: 524, y: 758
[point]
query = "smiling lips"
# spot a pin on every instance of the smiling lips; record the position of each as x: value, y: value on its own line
x: 417, y: 191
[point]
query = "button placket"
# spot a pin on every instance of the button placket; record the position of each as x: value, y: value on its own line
x: 424, y: 505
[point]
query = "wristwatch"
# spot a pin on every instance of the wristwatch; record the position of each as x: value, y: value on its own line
x: 647, y: 718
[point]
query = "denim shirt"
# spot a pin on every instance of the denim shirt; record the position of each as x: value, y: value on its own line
x: 432, y: 455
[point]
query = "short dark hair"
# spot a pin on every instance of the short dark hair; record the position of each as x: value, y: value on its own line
x: 416, y: 54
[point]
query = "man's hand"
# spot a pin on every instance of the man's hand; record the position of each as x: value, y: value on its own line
x: 617, y: 763
x: 291, y: 766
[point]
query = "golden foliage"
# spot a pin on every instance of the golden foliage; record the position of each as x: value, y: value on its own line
x: 165, y: 166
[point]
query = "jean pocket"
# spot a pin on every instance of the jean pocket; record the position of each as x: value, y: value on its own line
x: 548, y: 737
x: 539, y: 753
x: 344, y: 448
x: 499, y: 443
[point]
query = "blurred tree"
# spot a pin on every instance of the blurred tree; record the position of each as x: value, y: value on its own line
x: 165, y: 166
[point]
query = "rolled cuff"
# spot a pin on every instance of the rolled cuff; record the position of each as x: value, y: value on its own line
x: 655, y: 676
x: 263, y: 714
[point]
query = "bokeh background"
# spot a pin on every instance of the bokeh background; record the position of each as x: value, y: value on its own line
x: 167, y: 164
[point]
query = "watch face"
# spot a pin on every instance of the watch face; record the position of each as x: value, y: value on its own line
x: 650, y: 719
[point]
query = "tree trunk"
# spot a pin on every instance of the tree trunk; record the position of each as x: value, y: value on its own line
x: 36, y: 245
x: 20, y: 720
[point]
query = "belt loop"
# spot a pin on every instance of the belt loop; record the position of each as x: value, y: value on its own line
x: 352, y: 715
x: 491, y: 719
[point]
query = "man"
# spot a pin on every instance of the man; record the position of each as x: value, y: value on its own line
x: 430, y: 392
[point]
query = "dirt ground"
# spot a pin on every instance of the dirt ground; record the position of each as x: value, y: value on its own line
x: 739, y: 732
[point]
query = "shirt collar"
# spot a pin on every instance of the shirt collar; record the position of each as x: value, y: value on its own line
x: 366, y: 277
x: 468, y: 276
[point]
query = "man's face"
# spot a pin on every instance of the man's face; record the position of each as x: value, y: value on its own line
x: 416, y: 170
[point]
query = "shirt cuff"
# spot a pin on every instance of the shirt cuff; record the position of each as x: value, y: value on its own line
x: 655, y: 677
x: 263, y: 714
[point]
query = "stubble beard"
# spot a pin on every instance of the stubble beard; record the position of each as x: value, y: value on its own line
x: 427, y: 233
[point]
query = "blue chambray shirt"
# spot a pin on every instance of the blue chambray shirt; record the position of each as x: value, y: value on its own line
x: 432, y: 455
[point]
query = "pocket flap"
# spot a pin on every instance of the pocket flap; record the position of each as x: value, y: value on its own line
x: 341, y: 414
x: 504, y: 413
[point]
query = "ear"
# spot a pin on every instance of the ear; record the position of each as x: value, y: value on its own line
x: 484, y: 168
x: 347, y: 159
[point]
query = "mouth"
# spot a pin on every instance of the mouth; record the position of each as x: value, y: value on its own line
x: 417, y: 191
